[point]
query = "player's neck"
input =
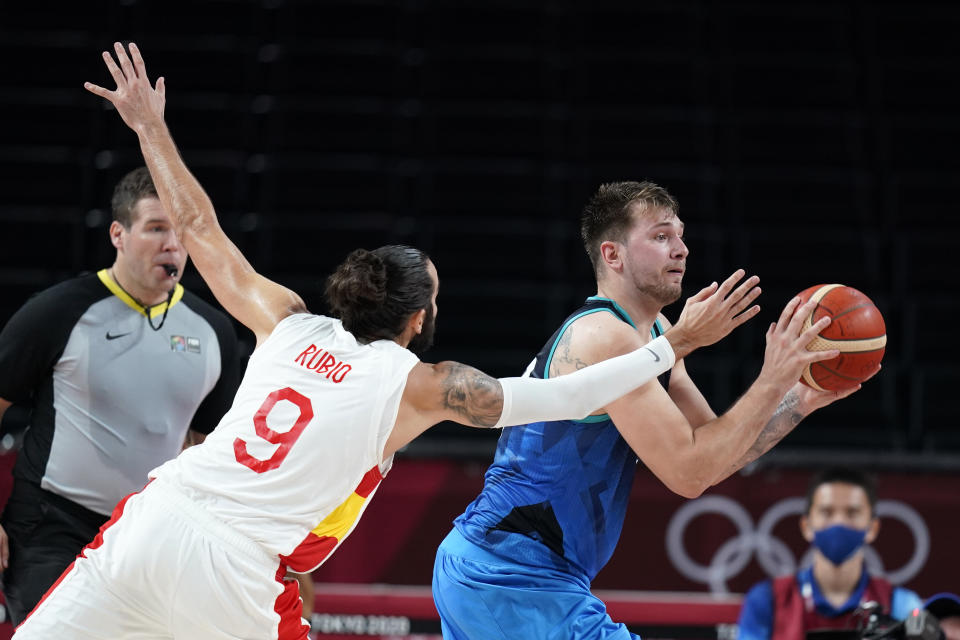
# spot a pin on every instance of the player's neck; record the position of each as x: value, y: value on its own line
x: 145, y: 297
x: 642, y: 309
x: 837, y: 582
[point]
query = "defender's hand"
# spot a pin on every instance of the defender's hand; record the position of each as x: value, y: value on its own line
x: 136, y: 101
x: 714, y: 312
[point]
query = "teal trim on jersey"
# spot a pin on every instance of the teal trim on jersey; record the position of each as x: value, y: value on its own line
x: 617, y: 307
x: 659, y: 327
x: 603, y: 417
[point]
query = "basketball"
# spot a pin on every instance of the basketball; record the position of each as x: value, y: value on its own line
x: 856, y: 329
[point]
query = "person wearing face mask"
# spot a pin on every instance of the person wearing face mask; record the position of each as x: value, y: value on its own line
x: 839, y: 521
x: 109, y: 374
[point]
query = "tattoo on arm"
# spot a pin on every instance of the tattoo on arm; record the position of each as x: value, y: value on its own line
x: 472, y: 394
x: 563, y: 360
x: 783, y: 421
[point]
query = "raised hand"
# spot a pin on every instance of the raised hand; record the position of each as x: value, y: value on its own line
x: 786, y: 354
x: 714, y: 312
x: 136, y: 101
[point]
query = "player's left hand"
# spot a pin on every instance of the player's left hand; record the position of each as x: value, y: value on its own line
x: 136, y: 101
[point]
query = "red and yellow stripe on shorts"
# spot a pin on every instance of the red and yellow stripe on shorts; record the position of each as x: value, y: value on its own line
x: 324, y: 538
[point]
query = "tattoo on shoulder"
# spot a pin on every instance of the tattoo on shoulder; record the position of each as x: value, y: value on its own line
x: 564, y: 361
x: 473, y: 394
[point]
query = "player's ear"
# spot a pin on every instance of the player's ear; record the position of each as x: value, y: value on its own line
x: 416, y: 321
x: 116, y: 235
x: 610, y: 253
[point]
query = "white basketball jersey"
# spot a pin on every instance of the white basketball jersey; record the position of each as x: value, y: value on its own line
x: 295, y: 461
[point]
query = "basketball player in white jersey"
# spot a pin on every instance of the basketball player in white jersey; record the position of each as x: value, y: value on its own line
x: 201, y: 552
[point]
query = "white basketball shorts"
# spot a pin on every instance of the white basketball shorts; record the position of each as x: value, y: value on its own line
x: 164, y: 568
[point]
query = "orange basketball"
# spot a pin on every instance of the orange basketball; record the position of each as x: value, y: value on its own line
x: 856, y: 329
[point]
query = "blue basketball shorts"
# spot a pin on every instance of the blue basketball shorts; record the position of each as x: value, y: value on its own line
x: 482, y: 596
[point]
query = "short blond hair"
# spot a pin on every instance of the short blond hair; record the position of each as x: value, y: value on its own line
x: 607, y: 216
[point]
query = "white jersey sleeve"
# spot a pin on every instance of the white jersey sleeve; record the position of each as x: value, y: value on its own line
x: 295, y: 461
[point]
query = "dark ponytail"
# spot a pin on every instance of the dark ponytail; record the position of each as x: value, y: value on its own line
x: 375, y: 292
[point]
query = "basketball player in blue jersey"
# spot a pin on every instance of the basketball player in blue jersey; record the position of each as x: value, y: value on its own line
x: 519, y: 561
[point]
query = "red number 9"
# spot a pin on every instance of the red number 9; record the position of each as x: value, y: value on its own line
x: 285, y: 439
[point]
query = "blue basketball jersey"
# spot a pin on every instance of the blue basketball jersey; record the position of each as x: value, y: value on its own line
x: 556, y: 493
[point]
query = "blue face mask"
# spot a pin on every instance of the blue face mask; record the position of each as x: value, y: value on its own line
x: 839, y: 542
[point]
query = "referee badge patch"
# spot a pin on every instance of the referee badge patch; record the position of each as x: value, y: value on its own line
x: 181, y: 343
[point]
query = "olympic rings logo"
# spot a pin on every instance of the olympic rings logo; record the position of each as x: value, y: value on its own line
x: 772, y: 554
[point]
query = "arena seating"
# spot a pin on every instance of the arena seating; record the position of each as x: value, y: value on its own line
x: 807, y: 143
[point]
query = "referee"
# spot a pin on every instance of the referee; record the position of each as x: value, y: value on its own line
x: 110, y: 373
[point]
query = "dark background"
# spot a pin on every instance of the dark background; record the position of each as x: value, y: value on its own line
x: 808, y: 142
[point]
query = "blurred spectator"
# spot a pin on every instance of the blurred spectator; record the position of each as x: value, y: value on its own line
x: 839, y: 519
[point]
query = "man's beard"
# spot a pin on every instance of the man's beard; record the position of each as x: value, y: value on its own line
x: 662, y: 292
x: 424, y: 340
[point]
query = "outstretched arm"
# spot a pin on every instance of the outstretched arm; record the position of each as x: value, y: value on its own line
x: 457, y: 392
x: 252, y: 299
x: 461, y: 393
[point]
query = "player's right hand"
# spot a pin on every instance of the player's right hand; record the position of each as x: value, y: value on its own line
x: 716, y: 310
x: 786, y: 354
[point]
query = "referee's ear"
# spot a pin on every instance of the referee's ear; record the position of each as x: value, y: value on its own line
x: 116, y: 235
